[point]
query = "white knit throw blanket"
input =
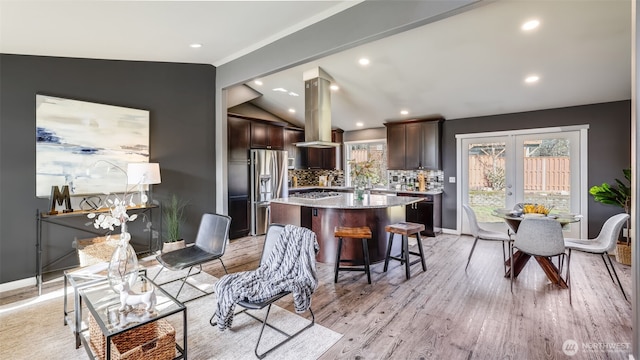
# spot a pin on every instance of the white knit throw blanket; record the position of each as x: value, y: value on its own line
x: 291, y: 266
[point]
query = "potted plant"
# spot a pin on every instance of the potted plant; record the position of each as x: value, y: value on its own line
x: 617, y: 195
x: 173, y: 217
x: 362, y: 173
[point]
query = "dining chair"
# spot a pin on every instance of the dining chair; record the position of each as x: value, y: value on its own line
x: 481, y: 234
x: 210, y: 244
x: 602, y: 244
x: 542, y: 236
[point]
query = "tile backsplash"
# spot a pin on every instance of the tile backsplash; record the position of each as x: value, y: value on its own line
x: 399, y: 179
x: 311, y: 177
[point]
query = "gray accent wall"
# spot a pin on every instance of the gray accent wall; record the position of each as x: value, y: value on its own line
x: 181, y: 101
x: 609, y: 147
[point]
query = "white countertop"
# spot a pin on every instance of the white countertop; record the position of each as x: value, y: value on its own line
x: 347, y: 201
x: 380, y: 190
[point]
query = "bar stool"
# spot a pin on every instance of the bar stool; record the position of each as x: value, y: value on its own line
x: 405, y: 229
x: 363, y: 233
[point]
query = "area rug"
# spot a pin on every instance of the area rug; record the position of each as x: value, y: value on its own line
x: 34, y: 329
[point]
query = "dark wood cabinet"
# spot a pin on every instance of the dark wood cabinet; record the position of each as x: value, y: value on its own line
x: 293, y: 136
x: 315, y: 158
x: 239, y: 212
x: 243, y: 134
x: 327, y: 158
x: 395, y: 147
x: 427, y: 212
x: 430, y: 156
x: 414, y: 144
x: 239, y: 140
x: 266, y: 136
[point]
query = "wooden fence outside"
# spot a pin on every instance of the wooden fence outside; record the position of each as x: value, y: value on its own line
x: 540, y: 173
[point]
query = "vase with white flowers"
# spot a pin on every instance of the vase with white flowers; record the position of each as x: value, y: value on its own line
x: 123, y: 266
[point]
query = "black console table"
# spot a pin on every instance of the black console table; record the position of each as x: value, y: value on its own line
x: 61, y: 219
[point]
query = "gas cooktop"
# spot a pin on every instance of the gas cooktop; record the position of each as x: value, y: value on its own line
x: 316, y: 195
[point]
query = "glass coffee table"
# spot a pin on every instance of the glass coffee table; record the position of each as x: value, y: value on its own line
x: 103, y: 304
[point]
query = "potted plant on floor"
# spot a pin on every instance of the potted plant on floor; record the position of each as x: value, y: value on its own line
x: 618, y: 195
x: 173, y: 218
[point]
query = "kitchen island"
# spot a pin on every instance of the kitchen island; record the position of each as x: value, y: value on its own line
x: 323, y: 214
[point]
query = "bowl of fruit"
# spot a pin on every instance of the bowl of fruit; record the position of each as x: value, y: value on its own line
x: 535, y: 210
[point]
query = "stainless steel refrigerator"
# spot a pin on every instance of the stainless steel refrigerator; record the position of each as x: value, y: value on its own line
x: 267, y: 180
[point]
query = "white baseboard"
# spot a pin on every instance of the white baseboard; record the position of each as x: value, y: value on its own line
x: 450, y: 231
x: 17, y: 284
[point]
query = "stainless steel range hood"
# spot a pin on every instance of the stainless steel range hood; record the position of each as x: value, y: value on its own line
x: 317, y: 109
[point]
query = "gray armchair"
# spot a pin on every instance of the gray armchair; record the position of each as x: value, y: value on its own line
x: 210, y: 244
x: 287, y: 267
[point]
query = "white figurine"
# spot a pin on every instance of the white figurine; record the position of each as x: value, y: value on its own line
x: 129, y: 299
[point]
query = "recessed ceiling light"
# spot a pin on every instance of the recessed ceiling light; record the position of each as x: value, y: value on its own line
x: 196, y: 45
x: 292, y: 111
x: 359, y: 124
x: 258, y: 82
x: 530, y: 25
x: 404, y: 112
x: 280, y: 89
x: 532, y: 79
x: 363, y: 61
x: 291, y: 93
x: 334, y: 87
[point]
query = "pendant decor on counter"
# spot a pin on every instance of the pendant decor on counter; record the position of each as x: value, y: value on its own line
x: 123, y: 266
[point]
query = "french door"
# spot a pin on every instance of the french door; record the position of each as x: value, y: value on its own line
x: 543, y: 166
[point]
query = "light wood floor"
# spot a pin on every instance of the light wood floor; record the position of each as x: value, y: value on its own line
x: 445, y: 313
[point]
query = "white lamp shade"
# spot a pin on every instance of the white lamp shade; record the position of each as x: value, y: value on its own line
x: 143, y: 173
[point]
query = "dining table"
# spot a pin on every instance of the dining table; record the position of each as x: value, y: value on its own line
x: 520, y: 259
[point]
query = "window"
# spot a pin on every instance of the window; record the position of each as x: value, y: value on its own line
x: 362, y: 151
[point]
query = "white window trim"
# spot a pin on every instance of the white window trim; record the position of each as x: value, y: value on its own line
x: 346, y: 152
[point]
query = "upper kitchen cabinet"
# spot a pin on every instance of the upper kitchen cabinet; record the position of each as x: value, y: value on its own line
x: 266, y: 136
x: 239, y: 131
x: 327, y: 158
x: 299, y: 154
x: 414, y: 144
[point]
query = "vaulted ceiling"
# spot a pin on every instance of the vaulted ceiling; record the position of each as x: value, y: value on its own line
x: 470, y: 64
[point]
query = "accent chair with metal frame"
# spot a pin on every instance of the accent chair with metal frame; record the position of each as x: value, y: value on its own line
x: 273, y: 233
x: 481, y: 234
x: 210, y: 244
x: 602, y: 244
x: 542, y: 236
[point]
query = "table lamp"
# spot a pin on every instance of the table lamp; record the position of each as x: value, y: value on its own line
x: 143, y: 175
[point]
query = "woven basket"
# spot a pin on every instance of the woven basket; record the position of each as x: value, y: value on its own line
x: 623, y: 253
x: 152, y: 341
x: 95, y: 250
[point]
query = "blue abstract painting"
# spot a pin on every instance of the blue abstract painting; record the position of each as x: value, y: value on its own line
x: 86, y: 145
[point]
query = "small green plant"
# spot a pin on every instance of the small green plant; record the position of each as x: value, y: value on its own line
x: 173, y: 217
x: 618, y: 195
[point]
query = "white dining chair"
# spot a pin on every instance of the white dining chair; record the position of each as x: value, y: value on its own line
x: 481, y: 234
x: 604, y: 243
x: 542, y: 237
